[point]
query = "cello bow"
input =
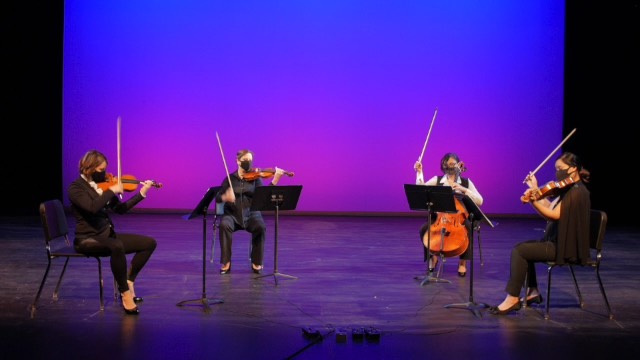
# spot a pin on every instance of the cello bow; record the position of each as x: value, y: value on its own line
x: 428, y: 134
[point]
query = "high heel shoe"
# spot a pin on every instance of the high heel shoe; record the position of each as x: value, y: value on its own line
x: 225, y: 271
x: 432, y: 264
x: 462, y: 273
x: 133, y: 311
x: 136, y: 299
x: 494, y: 310
x: 535, y: 300
x: 257, y: 270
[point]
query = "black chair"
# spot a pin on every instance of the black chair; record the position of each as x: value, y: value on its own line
x: 58, y: 246
x: 597, y: 231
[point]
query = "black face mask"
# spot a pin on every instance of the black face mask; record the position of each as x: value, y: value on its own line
x: 451, y: 170
x: 562, y: 174
x: 99, y: 176
x: 246, y: 165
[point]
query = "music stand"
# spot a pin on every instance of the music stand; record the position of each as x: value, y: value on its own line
x: 201, y: 209
x: 474, y: 213
x: 432, y: 198
x: 267, y: 198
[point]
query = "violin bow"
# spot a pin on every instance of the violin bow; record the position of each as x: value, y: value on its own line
x: 223, y: 161
x: 550, y: 155
x: 428, y: 134
x: 119, y: 121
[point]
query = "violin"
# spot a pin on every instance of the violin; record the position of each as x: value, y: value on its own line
x: 449, y: 234
x: 129, y: 182
x: 551, y: 189
x: 256, y: 173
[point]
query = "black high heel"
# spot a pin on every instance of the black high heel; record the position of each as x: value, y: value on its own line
x: 137, y: 299
x: 494, y: 310
x: 462, y: 273
x: 256, y: 271
x: 225, y: 271
x: 133, y: 311
x: 535, y: 300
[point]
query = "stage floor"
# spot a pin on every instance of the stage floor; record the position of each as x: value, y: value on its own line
x: 336, y: 276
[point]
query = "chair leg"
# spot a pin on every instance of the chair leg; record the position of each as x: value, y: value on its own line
x: 101, y: 284
x: 575, y: 282
x: 604, y: 294
x: 44, y: 279
x: 64, y: 268
x: 116, y: 292
x: 546, y: 307
x: 213, y: 241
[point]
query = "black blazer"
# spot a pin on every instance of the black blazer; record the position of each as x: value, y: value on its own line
x: 91, y: 210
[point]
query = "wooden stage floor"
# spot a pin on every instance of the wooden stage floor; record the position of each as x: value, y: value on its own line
x: 351, y: 274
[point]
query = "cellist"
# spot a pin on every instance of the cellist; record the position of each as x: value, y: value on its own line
x: 452, y: 168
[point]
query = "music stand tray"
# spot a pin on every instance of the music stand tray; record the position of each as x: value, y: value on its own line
x: 201, y: 210
x: 430, y: 198
x: 276, y: 198
x: 475, y: 214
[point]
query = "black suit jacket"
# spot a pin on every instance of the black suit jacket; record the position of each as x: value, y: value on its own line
x: 91, y: 210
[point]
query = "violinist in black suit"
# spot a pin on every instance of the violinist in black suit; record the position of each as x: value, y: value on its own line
x: 92, y: 197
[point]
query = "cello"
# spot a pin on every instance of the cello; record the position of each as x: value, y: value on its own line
x: 449, y: 234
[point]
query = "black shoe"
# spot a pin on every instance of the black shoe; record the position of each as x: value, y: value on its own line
x: 430, y: 270
x: 137, y: 299
x: 225, y: 271
x: 535, y: 300
x: 462, y: 273
x: 256, y: 271
x: 495, y: 311
x: 133, y: 311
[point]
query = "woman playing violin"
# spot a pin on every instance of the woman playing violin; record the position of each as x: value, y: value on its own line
x: 95, y: 232
x: 452, y: 167
x: 237, y: 200
x: 567, y: 213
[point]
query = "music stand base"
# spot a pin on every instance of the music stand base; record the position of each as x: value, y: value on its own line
x: 205, y: 302
x: 430, y: 279
x: 474, y: 307
x: 275, y: 276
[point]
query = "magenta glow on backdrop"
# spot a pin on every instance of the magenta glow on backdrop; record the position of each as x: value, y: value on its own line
x: 342, y: 93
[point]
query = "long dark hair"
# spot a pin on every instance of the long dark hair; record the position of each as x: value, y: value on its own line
x: 573, y: 160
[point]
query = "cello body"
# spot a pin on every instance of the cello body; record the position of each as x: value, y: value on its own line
x: 449, y: 234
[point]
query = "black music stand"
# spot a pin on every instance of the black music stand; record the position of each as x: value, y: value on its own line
x: 267, y: 198
x: 432, y: 198
x: 475, y: 214
x: 201, y: 209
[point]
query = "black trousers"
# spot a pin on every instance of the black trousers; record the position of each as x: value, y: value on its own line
x: 523, y: 258
x: 255, y: 225
x: 120, y: 245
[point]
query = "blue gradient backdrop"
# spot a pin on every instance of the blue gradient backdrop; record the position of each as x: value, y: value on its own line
x: 342, y: 93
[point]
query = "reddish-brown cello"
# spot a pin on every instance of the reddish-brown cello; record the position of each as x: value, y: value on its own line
x: 449, y: 234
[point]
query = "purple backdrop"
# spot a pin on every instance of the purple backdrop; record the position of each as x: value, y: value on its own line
x: 341, y: 93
